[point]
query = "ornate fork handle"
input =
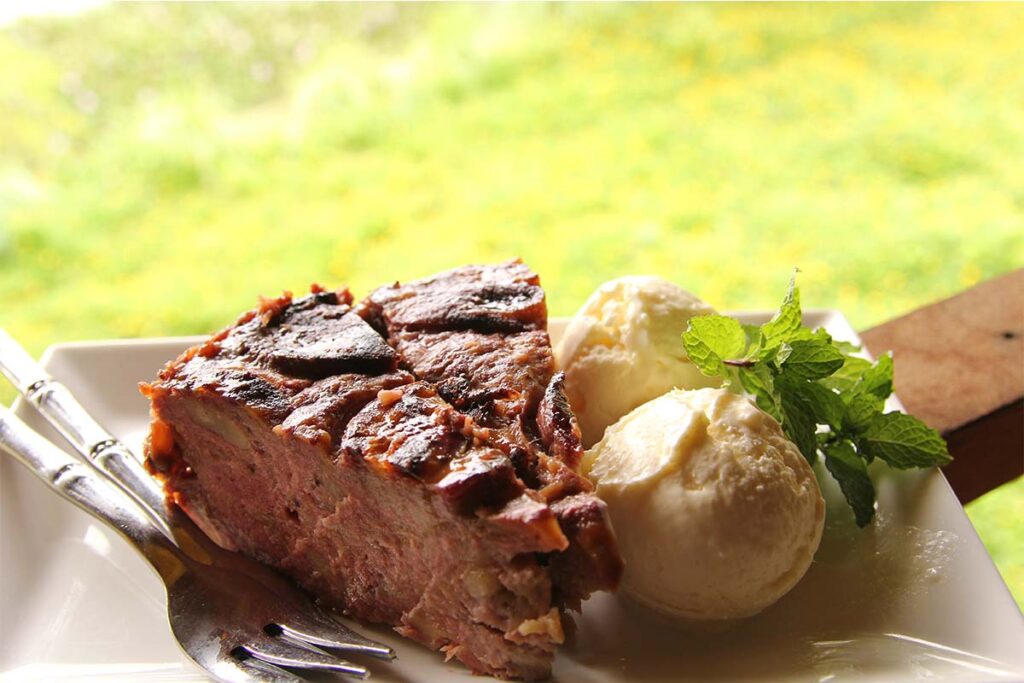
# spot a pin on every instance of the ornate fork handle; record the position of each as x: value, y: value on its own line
x: 79, y: 484
x: 66, y: 414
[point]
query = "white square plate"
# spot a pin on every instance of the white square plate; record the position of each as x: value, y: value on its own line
x: 913, y: 596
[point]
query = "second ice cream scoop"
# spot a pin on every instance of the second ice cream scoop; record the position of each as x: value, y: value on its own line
x: 717, y: 513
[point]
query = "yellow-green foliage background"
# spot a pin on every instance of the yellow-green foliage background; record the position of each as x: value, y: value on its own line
x: 161, y: 165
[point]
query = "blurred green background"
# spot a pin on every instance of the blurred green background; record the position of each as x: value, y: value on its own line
x: 161, y: 165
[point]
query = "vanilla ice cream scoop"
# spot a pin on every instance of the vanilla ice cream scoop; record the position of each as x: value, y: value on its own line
x: 624, y: 347
x: 717, y: 513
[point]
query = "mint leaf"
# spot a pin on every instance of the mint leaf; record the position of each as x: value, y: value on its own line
x: 760, y: 383
x: 798, y: 422
x: 711, y: 339
x: 776, y: 355
x: 861, y: 409
x: 904, y: 441
x: 877, y: 379
x: 808, y: 333
x: 847, y: 348
x: 753, y: 334
x: 825, y: 405
x: 812, y: 359
x: 848, y: 375
x: 786, y: 322
x: 851, y: 474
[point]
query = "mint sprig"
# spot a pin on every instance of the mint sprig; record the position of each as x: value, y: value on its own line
x: 829, y: 402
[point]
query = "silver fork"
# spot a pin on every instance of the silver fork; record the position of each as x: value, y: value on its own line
x: 234, y: 617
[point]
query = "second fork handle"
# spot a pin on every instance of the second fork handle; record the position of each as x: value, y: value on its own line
x: 94, y: 443
x: 81, y: 485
